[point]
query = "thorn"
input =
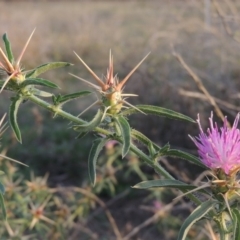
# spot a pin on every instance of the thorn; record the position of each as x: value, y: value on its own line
x: 194, y: 190
x: 87, y: 82
x: 110, y: 70
x: 129, y: 95
x: 24, y: 49
x: 121, y: 84
x: 13, y: 160
x: 9, y: 65
x: 7, y: 80
x: 100, y: 82
x: 93, y: 104
x: 129, y: 104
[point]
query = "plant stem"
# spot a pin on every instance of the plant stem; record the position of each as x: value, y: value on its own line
x: 155, y: 165
x: 59, y: 111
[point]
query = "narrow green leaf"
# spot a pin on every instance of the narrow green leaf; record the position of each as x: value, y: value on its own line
x: 2, y: 188
x: 146, y: 141
x: 125, y: 134
x: 236, y: 218
x: 46, y: 67
x: 40, y: 93
x: 72, y: 96
x: 154, y: 110
x: 141, y: 137
x: 38, y: 81
x: 8, y: 48
x: 3, y: 207
x: 183, y: 155
x: 90, y: 125
x: 96, y: 148
x: 164, y: 150
x: 170, y: 183
x: 196, y: 215
x: 13, y: 110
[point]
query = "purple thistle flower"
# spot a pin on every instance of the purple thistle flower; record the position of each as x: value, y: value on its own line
x: 219, y: 148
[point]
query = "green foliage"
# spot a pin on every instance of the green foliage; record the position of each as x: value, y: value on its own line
x: 164, y: 183
x: 236, y: 225
x: 159, y: 111
x: 125, y: 134
x: 8, y: 48
x: 37, y: 81
x: 97, y: 146
x: 59, y: 99
x: 13, y: 111
x: 46, y: 67
x: 200, y: 212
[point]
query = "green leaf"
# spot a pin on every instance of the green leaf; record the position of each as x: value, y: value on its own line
x: 38, y: 81
x: 164, y: 150
x: 96, y: 148
x: 13, y: 110
x: 236, y: 218
x: 183, y: 155
x: 2, y: 188
x: 154, y: 110
x: 3, y: 207
x: 170, y: 183
x: 46, y: 67
x: 90, y: 125
x: 125, y: 134
x: 72, y: 96
x: 146, y: 141
x: 196, y: 215
x: 141, y: 137
x: 41, y: 93
x: 8, y: 48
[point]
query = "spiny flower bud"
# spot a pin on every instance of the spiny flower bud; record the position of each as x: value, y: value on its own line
x: 111, y: 89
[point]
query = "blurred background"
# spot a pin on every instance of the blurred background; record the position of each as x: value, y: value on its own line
x: 204, y: 33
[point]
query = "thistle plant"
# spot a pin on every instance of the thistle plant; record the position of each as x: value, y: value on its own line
x: 216, y: 200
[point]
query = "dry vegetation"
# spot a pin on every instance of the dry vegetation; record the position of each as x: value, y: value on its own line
x: 131, y: 30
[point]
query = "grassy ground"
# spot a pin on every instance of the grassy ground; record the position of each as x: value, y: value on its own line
x: 131, y: 30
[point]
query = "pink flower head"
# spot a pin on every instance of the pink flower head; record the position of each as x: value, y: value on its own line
x: 219, y: 148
